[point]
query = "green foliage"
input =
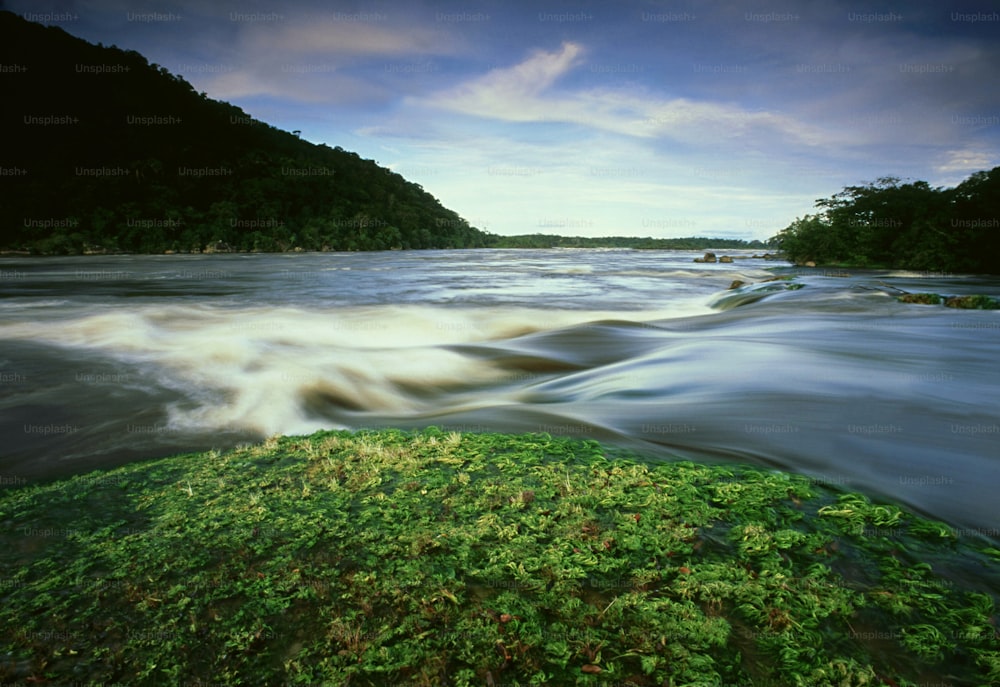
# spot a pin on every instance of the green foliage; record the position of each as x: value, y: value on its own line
x: 148, y: 165
x: 887, y: 223
x: 428, y: 558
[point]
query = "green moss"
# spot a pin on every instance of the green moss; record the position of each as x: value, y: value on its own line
x: 433, y: 558
x: 978, y: 302
x: 920, y: 298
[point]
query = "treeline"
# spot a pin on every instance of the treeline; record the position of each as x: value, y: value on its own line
x: 104, y: 152
x: 913, y: 226
x: 554, y: 241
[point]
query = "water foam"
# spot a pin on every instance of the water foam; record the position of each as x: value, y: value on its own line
x: 292, y: 370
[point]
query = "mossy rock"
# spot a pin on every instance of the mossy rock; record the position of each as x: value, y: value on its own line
x: 428, y: 558
x: 920, y: 298
x: 977, y: 302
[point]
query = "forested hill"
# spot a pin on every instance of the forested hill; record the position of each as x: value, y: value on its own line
x: 102, y: 151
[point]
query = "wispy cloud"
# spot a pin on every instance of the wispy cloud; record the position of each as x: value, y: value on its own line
x: 963, y: 162
x: 346, y: 40
x: 528, y: 92
x: 323, y: 62
x: 515, y: 94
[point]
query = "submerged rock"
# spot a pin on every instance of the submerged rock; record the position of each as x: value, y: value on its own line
x: 977, y: 302
x: 725, y: 258
x: 218, y: 247
x: 920, y: 298
x: 737, y: 283
x: 972, y: 302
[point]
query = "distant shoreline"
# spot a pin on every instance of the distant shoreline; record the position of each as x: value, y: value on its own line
x: 28, y: 254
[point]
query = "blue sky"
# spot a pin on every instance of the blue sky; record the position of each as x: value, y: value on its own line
x: 637, y: 117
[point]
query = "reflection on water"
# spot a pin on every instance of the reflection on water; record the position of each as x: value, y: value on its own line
x: 104, y: 362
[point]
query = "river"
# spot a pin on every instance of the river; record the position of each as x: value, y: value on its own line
x: 110, y: 359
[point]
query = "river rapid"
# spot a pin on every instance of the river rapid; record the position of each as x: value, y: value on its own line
x: 106, y: 360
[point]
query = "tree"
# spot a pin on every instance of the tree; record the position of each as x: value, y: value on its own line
x: 911, y: 226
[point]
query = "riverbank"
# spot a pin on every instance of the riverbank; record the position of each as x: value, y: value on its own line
x: 436, y: 557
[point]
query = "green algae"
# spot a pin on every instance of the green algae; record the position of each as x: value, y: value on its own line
x: 973, y: 302
x: 920, y: 298
x: 430, y: 558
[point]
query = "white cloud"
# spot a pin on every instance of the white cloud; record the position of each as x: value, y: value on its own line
x: 526, y: 92
x: 347, y: 40
x: 315, y: 62
x: 600, y: 161
x: 512, y: 93
x: 956, y: 165
x: 607, y: 185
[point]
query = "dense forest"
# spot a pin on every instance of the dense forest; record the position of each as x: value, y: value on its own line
x: 105, y: 152
x: 553, y: 241
x: 887, y: 223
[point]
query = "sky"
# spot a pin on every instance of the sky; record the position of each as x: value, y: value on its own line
x: 654, y: 118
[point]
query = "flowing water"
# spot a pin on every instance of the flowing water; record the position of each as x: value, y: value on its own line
x: 105, y: 360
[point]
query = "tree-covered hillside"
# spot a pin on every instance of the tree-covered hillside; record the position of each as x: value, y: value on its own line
x: 887, y: 223
x: 103, y: 151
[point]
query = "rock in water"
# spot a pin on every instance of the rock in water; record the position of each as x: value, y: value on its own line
x: 708, y: 257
